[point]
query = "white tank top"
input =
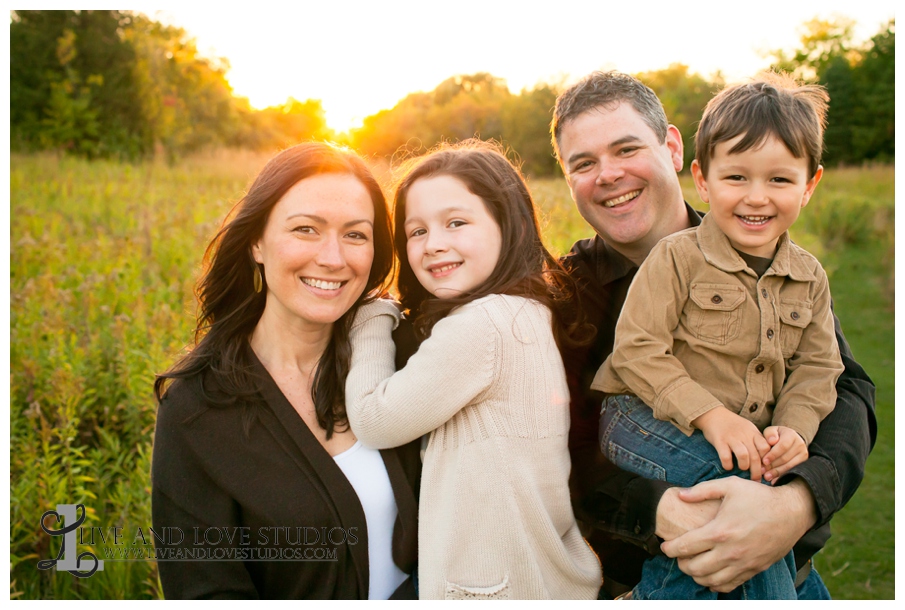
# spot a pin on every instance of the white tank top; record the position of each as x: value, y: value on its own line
x: 365, y: 470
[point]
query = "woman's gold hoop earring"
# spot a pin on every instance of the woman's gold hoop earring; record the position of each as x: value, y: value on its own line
x: 259, y: 281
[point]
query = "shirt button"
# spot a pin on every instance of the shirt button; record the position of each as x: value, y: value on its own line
x: 753, y: 408
x: 717, y: 299
x: 763, y: 291
x: 794, y: 315
x: 770, y: 333
x: 759, y: 368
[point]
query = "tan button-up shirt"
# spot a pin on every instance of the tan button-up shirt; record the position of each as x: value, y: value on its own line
x: 699, y: 329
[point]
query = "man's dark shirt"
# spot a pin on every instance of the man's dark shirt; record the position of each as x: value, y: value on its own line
x: 620, y: 507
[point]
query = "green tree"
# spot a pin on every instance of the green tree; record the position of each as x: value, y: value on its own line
x: 525, y: 122
x: 397, y: 129
x: 186, y: 100
x: 284, y: 125
x: 860, y: 82
x: 838, y: 76
x: 70, y: 119
x: 467, y: 106
x: 822, y: 40
x: 33, y: 66
x: 684, y: 96
x: 460, y: 107
x: 874, y: 136
x: 120, y: 83
x: 71, y: 82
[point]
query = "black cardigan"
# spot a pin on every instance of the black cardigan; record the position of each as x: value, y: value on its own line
x: 208, y: 472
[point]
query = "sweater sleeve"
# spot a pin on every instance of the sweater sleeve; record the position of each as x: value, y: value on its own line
x: 809, y: 393
x: 642, y: 358
x: 450, y: 369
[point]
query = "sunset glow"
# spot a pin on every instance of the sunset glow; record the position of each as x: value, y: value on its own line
x: 361, y: 57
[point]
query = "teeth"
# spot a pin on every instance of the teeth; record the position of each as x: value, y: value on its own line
x: 445, y: 268
x: 609, y: 203
x: 755, y: 220
x: 322, y: 284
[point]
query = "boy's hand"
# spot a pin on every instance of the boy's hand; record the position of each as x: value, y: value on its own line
x: 787, y: 451
x: 732, y: 434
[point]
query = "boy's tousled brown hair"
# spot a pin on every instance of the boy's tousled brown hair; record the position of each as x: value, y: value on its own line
x: 774, y: 104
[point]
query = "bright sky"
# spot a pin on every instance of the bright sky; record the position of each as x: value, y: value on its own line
x: 359, y: 57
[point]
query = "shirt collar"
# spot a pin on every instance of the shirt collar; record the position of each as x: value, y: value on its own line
x: 719, y: 252
x: 607, y: 264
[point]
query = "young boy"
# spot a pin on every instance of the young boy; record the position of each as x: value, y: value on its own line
x: 727, y: 332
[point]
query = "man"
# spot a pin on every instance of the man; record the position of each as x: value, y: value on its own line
x: 620, y: 159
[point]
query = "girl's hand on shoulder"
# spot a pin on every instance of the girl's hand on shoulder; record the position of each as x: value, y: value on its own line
x: 732, y: 434
x: 788, y: 450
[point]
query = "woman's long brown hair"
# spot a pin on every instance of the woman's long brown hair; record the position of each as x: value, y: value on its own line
x: 229, y: 308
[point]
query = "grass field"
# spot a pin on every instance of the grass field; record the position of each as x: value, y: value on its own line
x: 103, y: 258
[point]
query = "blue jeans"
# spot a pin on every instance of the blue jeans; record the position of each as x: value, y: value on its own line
x: 632, y: 439
x: 813, y: 587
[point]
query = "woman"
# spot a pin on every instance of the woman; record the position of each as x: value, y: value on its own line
x: 256, y: 474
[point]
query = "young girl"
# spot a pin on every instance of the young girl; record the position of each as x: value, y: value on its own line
x: 487, y: 384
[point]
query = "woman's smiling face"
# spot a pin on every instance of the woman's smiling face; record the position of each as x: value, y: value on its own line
x: 317, y: 249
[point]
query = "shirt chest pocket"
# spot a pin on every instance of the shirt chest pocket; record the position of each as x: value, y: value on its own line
x: 715, y: 316
x: 794, y: 317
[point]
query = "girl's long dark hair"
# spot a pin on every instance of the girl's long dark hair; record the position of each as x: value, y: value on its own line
x: 525, y: 267
x: 229, y: 307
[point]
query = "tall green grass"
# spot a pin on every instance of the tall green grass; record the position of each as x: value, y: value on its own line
x: 103, y: 259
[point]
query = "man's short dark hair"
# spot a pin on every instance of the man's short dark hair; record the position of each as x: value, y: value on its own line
x: 607, y: 89
x: 773, y: 105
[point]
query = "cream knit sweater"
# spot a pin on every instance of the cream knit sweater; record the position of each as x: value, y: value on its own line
x: 495, y: 518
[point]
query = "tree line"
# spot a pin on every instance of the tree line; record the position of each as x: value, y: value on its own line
x: 117, y: 83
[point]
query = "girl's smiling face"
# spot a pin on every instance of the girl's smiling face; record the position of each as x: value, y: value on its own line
x: 453, y: 243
